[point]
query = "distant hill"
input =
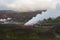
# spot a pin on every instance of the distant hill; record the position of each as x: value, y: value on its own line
x: 24, y: 11
x: 7, y: 11
x: 18, y: 15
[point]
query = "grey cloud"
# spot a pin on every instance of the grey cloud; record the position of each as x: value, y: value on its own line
x: 24, y: 4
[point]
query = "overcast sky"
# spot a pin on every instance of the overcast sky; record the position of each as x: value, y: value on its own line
x: 54, y: 5
x: 28, y: 4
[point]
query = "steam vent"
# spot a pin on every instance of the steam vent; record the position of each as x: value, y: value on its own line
x: 30, y: 23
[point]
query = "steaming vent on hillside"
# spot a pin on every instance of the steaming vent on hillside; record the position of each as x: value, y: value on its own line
x: 35, y: 19
x: 40, y: 17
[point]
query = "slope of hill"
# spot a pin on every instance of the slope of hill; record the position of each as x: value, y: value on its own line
x: 18, y: 15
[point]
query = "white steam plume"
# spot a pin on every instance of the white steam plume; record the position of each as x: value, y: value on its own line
x: 40, y: 17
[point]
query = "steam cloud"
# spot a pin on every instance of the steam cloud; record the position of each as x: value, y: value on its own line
x: 39, y: 17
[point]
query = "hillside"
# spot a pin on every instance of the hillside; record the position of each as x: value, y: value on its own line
x: 18, y: 15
